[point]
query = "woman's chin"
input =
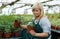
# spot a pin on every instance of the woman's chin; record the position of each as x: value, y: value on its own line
x: 37, y: 16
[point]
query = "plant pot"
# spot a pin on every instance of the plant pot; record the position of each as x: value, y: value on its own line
x: 58, y: 28
x: 16, y: 34
x: 12, y: 34
x: 7, y: 35
x: 53, y: 27
x: 29, y: 29
x: 1, y: 34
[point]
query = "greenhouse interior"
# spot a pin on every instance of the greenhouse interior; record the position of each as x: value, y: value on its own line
x: 21, y: 11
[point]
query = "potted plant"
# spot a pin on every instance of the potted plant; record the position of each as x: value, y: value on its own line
x: 58, y: 28
x: 12, y: 30
x: 7, y: 32
x: 16, y: 31
x: 1, y: 30
x: 16, y: 28
x: 53, y: 26
x: 58, y: 25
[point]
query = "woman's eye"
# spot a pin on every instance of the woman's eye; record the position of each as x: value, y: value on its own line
x: 33, y: 10
x: 37, y: 10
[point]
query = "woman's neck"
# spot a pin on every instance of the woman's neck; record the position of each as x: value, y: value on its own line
x: 37, y: 18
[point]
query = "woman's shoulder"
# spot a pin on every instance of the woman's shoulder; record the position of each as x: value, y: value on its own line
x: 45, y: 22
x: 44, y: 18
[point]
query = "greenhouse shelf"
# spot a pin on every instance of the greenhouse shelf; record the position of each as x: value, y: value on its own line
x: 12, y: 38
x: 55, y: 31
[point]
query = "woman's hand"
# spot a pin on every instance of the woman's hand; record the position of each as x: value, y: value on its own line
x: 29, y: 28
x: 32, y: 32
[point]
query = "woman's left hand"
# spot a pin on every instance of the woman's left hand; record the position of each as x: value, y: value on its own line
x: 32, y: 32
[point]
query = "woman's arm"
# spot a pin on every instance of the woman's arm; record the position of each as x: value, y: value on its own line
x: 41, y: 34
x: 33, y: 33
x: 25, y: 26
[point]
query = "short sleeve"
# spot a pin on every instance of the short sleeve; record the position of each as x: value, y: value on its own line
x: 46, y: 25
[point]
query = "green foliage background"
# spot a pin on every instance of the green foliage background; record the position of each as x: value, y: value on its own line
x: 8, y: 20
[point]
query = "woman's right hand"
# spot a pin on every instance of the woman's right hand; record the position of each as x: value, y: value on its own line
x: 29, y: 28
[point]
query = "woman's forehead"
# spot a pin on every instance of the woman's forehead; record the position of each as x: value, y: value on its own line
x: 36, y: 8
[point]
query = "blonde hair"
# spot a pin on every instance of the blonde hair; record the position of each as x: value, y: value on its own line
x: 38, y: 5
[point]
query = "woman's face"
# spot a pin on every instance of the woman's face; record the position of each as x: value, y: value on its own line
x: 36, y: 12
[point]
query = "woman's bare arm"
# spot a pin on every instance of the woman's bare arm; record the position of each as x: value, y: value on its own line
x: 33, y: 33
x: 41, y: 34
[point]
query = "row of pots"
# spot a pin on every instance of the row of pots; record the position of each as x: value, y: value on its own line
x: 8, y: 35
x: 55, y: 27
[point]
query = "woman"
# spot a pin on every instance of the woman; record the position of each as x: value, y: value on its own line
x: 41, y: 25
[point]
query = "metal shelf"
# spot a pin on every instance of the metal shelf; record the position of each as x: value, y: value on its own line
x: 12, y: 38
x: 55, y: 31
